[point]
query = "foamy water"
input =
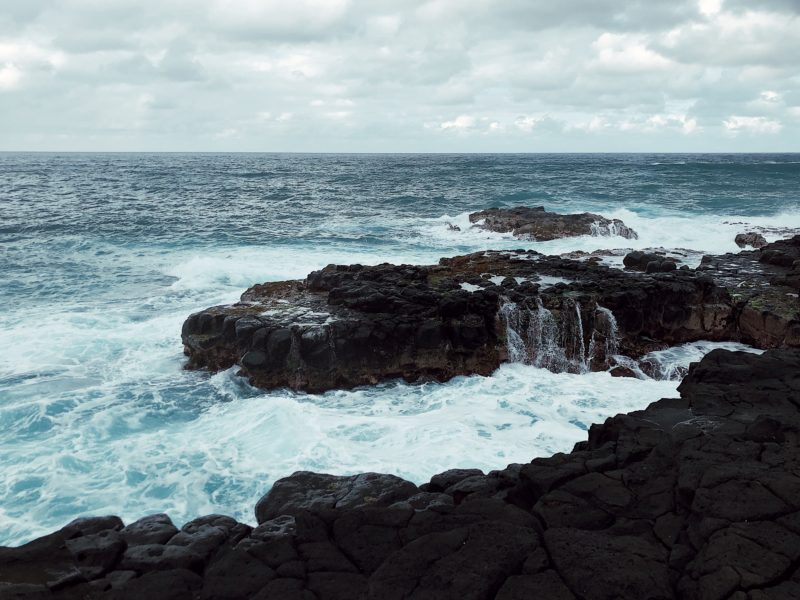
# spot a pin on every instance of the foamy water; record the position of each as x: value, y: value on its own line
x: 97, y: 415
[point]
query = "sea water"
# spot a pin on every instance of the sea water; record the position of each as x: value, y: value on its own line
x: 102, y: 256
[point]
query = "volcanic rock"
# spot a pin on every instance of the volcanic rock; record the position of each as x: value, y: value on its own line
x: 649, y: 262
x: 354, y: 325
x: 692, y: 497
x: 537, y: 224
x: 764, y: 286
x: 751, y: 238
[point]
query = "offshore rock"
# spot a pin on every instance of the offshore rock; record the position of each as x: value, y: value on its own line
x: 692, y: 497
x: 354, y: 325
x: 538, y: 224
x: 751, y: 238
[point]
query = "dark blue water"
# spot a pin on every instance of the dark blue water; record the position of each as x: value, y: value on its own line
x: 103, y: 255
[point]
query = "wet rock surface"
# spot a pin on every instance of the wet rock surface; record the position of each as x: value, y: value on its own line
x: 692, y: 497
x: 649, y: 262
x: 750, y: 239
x: 345, y: 326
x: 537, y: 224
x: 353, y: 325
x: 764, y: 286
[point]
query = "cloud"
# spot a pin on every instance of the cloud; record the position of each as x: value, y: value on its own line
x: 366, y: 75
x: 738, y: 124
x: 460, y: 123
x: 10, y: 76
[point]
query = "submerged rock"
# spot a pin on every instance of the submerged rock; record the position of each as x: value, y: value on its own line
x: 692, y: 497
x: 538, y: 224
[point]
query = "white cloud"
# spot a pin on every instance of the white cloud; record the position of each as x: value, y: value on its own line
x: 627, y: 53
x: 10, y: 76
x: 739, y: 124
x: 380, y: 76
x: 709, y: 7
x: 460, y: 123
x: 660, y: 122
x: 528, y: 123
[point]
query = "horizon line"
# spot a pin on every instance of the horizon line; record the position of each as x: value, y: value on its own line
x: 389, y: 153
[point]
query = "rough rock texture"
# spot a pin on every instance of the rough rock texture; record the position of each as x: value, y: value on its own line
x: 353, y: 325
x: 695, y: 498
x: 752, y: 239
x: 649, y: 262
x: 764, y: 286
x: 538, y: 224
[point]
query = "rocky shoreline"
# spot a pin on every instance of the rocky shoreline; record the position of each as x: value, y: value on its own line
x: 345, y: 326
x: 692, y: 497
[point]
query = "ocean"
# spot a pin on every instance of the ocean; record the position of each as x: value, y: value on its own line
x: 102, y: 257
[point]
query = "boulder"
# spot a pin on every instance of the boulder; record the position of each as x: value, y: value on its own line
x: 649, y: 262
x: 320, y: 494
x: 751, y: 239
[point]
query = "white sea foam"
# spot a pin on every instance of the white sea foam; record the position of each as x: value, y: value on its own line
x: 98, y: 416
x: 710, y: 234
x: 106, y: 455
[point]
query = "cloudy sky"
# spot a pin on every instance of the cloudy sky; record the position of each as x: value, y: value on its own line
x: 400, y: 75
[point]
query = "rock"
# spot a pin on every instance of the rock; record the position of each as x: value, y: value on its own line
x: 157, y: 557
x: 317, y: 493
x: 538, y: 224
x: 95, y: 554
x: 751, y: 238
x: 442, y: 481
x: 154, y: 529
x: 764, y: 286
x: 355, y: 325
x: 691, y: 497
x: 649, y: 262
x: 175, y: 584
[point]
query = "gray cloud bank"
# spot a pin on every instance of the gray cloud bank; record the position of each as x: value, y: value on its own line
x: 400, y: 75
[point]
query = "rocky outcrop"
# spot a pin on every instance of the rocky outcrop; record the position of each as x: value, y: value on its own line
x: 354, y: 325
x: 752, y: 239
x: 537, y: 224
x: 693, y: 497
x: 764, y: 286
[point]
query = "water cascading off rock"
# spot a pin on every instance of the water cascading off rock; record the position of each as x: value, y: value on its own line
x: 556, y: 339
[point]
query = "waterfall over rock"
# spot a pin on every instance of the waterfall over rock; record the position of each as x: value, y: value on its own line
x: 556, y: 340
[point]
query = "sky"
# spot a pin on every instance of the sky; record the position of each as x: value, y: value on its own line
x: 400, y: 75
